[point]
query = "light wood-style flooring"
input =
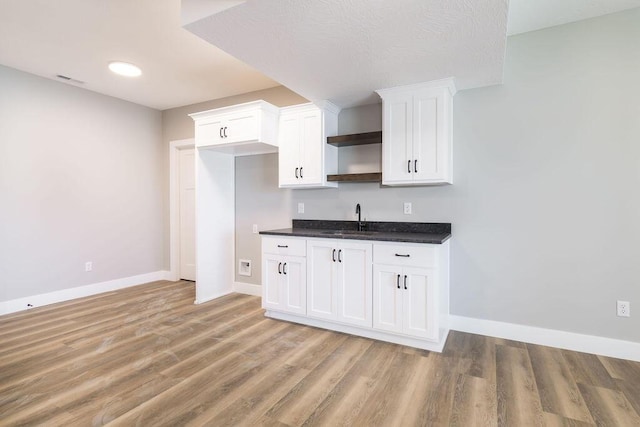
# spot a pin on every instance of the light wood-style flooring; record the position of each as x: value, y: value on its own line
x: 147, y: 356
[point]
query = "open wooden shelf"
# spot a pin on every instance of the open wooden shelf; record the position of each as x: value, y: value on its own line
x: 356, y: 177
x: 355, y: 139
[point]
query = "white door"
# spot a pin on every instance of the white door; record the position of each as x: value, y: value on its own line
x: 419, y: 305
x: 354, y: 283
x: 187, y: 206
x: 387, y: 298
x: 427, y: 123
x: 294, y: 284
x: 241, y: 127
x: 271, y: 271
x: 311, y: 147
x: 397, y: 155
x: 321, y: 279
x: 289, y: 150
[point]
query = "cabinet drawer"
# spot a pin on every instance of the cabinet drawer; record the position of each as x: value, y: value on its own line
x: 410, y: 255
x: 284, y: 246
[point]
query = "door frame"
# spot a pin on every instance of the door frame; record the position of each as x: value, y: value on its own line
x: 174, y: 205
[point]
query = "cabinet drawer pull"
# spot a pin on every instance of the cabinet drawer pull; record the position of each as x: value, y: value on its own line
x: 221, y: 133
x: 409, y: 166
x: 405, y: 281
x: 284, y: 270
x: 225, y: 132
x: 404, y: 255
x: 297, y: 173
x: 340, y: 255
x: 279, y: 268
x: 283, y: 246
x: 415, y: 166
x: 398, y: 281
x: 300, y: 172
x: 333, y: 255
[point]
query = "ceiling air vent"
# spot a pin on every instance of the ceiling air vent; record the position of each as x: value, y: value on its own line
x: 69, y: 79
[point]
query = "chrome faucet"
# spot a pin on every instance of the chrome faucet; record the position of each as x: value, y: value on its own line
x: 361, y: 225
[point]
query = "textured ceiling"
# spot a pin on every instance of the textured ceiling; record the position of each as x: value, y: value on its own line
x: 531, y: 15
x: 78, y: 38
x: 342, y: 50
x: 339, y: 50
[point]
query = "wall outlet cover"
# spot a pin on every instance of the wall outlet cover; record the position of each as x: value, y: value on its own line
x: 244, y: 267
x: 300, y: 207
x: 407, y: 208
x: 623, y: 308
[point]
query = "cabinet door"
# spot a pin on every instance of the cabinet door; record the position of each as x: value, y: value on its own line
x: 419, y: 307
x: 289, y: 150
x: 397, y: 146
x: 354, y: 283
x: 311, y: 148
x: 241, y: 127
x: 428, y: 124
x: 209, y: 132
x: 272, y: 298
x: 294, y: 285
x: 387, y: 298
x: 321, y: 279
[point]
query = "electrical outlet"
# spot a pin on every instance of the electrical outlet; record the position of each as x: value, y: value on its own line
x: 407, y: 208
x: 88, y: 266
x: 255, y: 229
x: 300, y: 207
x: 624, y: 308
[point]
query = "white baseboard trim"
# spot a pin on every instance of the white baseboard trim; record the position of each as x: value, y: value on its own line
x: 549, y: 337
x: 20, y: 304
x: 247, y: 288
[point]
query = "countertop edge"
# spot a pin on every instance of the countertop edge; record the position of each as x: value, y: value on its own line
x: 400, y: 237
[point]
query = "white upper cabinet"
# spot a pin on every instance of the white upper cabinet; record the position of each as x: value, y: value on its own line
x: 240, y: 130
x: 417, y: 133
x: 304, y: 157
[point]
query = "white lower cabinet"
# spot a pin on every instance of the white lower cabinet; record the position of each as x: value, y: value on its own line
x: 396, y: 292
x: 285, y: 279
x: 284, y: 275
x: 339, y: 281
x: 403, y: 301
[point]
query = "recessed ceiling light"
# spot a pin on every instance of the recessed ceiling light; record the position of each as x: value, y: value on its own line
x: 125, y: 69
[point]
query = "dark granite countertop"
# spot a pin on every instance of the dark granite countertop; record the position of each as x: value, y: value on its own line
x: 409, y: 232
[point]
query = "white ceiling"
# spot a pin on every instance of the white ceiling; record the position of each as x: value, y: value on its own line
x: 339, y: 50
x: 342, y: 50
x: 531, y: 15
x: 78, y: 38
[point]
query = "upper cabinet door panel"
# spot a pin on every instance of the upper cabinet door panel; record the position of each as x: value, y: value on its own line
x: 242, y: 127
x: 312, y: 153
x: 289, y: 150
x: 398, y: 145
x: 425, y: 137
x: 209, y: 132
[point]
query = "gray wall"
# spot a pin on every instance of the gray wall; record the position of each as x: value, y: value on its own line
x: 80, y: 177
x: 545, y: 201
